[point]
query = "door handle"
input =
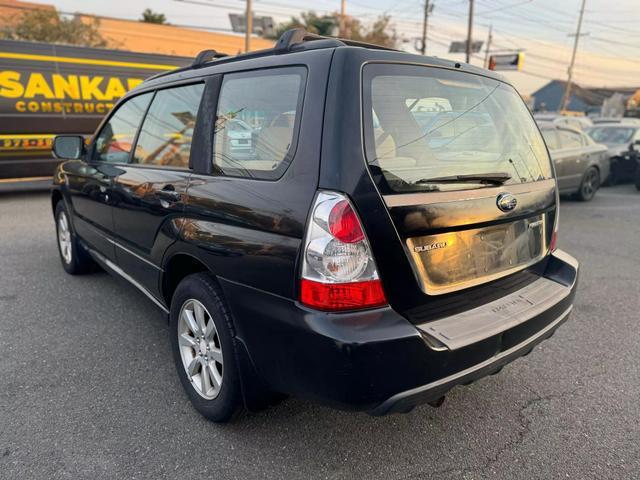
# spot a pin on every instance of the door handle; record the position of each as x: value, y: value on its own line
x: 104, y: 192
x: 168, y: 193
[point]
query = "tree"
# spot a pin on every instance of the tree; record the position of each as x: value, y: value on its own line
x: 312, y: 22
x: 44, y: 25
x: 380, y: 32
x: 149, y: 16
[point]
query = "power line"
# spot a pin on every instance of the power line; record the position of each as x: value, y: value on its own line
x: 504, y: 7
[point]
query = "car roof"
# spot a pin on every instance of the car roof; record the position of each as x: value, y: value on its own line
x: 554, y: 126
x: 298, y: 40
x: 554, y: 117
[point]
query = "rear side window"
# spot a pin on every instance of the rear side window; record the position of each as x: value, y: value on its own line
x: 114, y: 142
x: 551, y: 138
x: 570, y: 139
x: 570, y: 122
x: 257, y: 122
x: 167, y: 130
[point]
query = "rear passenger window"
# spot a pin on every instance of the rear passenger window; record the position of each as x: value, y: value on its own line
x: 257, y: 122
x: 550, y: 138
x: 114, y: 142
x: 570, y: 139
x: 575, y: 124
x: 167, y: 130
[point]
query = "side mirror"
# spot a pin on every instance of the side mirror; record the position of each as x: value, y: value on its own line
x: 69, y: 147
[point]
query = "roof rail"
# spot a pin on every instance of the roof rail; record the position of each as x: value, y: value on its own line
x: 288, y: 41
x: 296, y: 36
x: 205, y: 56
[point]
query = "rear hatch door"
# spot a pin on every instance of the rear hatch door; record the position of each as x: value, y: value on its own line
x: 465, y: 178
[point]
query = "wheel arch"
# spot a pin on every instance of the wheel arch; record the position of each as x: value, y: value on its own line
x: 56, y: 197
x: 176, y: 268
x: 595, y: 166
x: 256, y: 394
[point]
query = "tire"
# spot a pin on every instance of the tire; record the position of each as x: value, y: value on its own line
x: 199, y: 299
x: 637, y: 182
x: 589, y: 185
x: 75, y: 260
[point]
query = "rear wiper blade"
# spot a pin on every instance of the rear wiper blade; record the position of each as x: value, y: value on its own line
x: 497, y: 178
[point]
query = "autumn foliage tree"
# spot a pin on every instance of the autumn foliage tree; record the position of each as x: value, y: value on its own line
x: 46, y: 25
x: 312, y: 22
x: 149, y: 16
x: 380, y: 32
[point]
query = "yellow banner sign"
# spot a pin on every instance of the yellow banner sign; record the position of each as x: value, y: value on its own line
x: 43, y: 92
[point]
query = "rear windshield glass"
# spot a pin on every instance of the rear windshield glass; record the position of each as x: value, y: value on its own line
x: 429, y: 129
x: 612, y: 135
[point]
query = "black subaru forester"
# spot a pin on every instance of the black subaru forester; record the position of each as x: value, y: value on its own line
x: 358, y: 226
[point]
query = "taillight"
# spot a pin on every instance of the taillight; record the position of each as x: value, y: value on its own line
x: 338, y: 270
x: 554, y: 236
x: 342, y: 296
x: 344, y: 224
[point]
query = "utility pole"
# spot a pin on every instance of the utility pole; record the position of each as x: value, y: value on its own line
x: 425, y: 20
x: 469, y: 31
x: 343, y: 9
x: 486, y: 53
x: 249, y: 25
x: 567, y: 91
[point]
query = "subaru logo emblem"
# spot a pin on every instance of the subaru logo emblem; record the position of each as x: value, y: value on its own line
x: 506, y: 202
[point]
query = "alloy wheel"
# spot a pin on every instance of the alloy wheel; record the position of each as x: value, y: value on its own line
x: 590, y: 184
x: 64, y: 238
x: 200, y: 349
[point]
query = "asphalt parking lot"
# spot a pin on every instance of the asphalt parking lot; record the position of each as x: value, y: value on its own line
x: 88, y: 388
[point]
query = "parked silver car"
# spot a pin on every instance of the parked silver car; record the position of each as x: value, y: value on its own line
x: 571, y: 121
x: 580, y: 162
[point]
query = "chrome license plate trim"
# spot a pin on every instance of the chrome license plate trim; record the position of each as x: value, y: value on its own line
x: 452, y: 261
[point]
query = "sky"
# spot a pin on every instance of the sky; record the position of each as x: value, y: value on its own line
x: 607, y: 54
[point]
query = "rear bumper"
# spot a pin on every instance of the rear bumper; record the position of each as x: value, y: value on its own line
x: 376, y: 360
x: 432, y: 391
